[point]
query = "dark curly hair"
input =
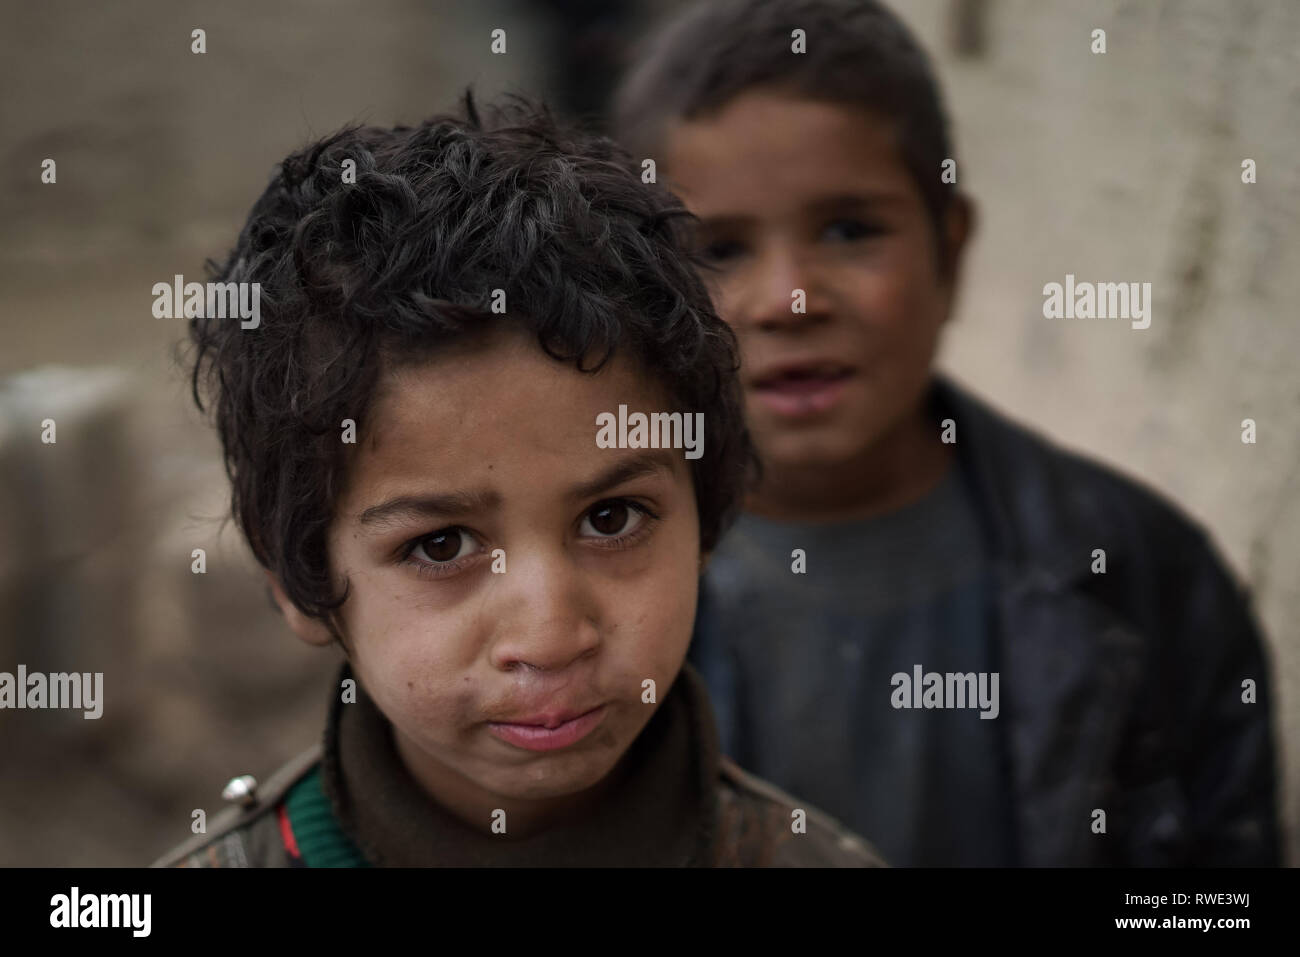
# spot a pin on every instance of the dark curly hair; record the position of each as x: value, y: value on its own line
x: 359, y: 277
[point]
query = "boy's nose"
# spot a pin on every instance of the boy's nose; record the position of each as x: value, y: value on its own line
x: 547, y: 619
x: 783, y: 293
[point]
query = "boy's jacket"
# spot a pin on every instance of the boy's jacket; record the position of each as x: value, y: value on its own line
x: 1124, y: 691
x: 350, y: 802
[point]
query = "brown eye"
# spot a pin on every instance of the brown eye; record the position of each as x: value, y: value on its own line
x: 848, y: 230
x: 611, y: 519
x: 720, y: 251
x: 442, y: 546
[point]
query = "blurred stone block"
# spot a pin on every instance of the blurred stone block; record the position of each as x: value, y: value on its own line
x: 14, y: 542
x: 68, y: 550
x: 217, y: 667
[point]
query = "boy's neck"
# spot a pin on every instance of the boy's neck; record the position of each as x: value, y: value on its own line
x: 904, y: 466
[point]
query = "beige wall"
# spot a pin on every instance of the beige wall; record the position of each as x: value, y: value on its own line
x: 1126, y: 166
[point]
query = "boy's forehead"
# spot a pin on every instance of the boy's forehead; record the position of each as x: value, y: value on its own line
x: 502, y: 405
x: 770, y: 146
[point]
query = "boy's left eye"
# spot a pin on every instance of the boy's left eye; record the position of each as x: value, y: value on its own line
x: 612, y: 519
x: 851, y: 229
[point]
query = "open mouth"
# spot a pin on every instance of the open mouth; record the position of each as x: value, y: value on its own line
x: 802, y: 390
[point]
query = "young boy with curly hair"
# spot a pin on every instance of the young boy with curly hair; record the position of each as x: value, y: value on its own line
x: 448, y: 315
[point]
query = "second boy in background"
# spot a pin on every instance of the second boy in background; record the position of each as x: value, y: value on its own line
x: 1120, y: 733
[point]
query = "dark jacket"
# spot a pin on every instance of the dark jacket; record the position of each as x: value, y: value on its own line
x: 349, y: 802
x: 1121, y: 691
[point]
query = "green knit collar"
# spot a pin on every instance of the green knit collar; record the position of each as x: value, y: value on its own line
x: 321, y: 842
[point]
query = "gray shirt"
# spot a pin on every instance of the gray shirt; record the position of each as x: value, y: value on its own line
x: 802, y: 667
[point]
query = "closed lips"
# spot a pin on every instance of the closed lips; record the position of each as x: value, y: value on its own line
x: 549, y: 720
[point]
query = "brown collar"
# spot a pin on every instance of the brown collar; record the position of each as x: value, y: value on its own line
x: 661, y: 814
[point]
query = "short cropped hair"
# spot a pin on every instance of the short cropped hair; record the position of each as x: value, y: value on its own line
x: 858, y: 54
x: 358, y: 277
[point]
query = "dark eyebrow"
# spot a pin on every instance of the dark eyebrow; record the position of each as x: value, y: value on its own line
x: 722, y: 223
x: 449, y: 505
x: 458, y: 504
x: 822, y: 206
x: 634, y: 466
x: 854, y: 201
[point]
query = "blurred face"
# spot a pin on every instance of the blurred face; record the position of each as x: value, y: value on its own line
x: 514, y: 680
x: 800, y: 195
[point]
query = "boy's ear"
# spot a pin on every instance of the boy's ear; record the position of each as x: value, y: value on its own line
x: 311, y: 630
x: 959, y: 226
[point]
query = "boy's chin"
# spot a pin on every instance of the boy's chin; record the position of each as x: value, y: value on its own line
x: 549, y: 779
x: 801, y: 450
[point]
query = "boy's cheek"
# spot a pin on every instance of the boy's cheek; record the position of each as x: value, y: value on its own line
x: 673, y: 623
x: 652, y: 619
x: 408, y: 665
x: 885, y: 298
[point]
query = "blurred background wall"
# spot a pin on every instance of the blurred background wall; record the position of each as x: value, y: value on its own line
x: 1126, y: 166
x: 1122, y: 166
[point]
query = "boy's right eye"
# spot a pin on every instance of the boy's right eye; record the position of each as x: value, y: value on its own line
x: 444, y: 545
x: 721, y: 250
